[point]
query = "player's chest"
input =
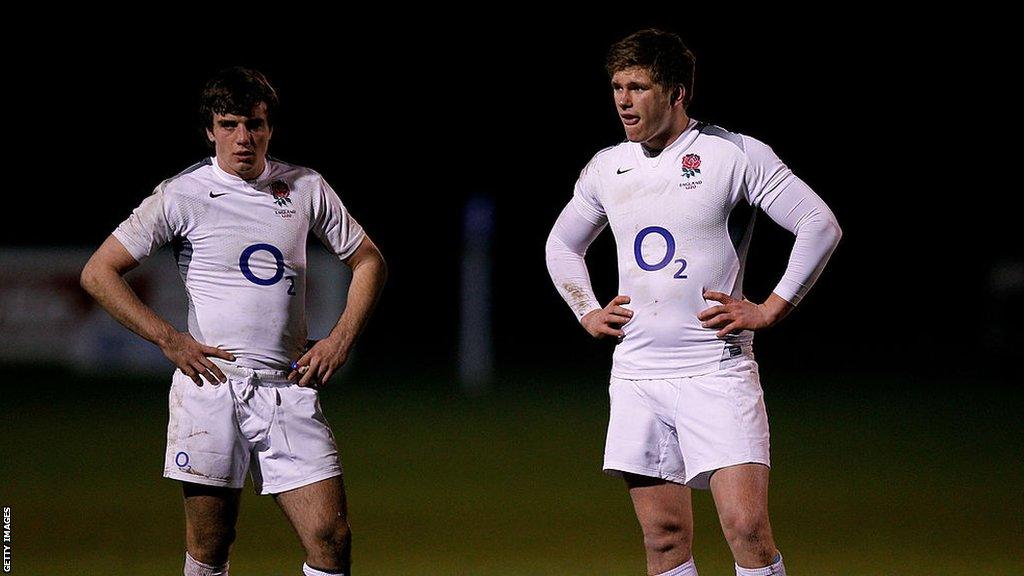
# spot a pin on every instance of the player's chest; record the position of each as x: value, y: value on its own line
x: 232, y: 221
x: 685, y: 187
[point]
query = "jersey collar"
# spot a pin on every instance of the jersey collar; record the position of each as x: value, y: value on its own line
x: 233, y: 179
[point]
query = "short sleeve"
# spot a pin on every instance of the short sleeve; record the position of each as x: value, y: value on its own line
x: 766, y: 175
x: 147, y: 229
x: 332, y: 223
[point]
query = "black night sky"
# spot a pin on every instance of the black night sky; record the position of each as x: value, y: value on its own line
x: 898, y: 128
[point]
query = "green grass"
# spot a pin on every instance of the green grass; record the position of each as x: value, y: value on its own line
x: 870, y: 477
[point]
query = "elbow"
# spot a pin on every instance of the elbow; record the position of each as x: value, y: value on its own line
x: 97, y: 275
x: 368, y: 263
x: 380, y: 266
x: 372, y: 262
x: 89, y: 277
x: 823, y: 227
x: 828, y: 233
x: 553, y: 247
x: 835, y: 233
x: 557, y: 251
x: 382, y: 269
x: 551, y: 252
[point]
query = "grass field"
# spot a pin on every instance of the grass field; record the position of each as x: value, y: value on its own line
x: 871, y: 476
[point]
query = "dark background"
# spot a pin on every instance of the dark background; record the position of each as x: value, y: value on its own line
x: 896, y: 128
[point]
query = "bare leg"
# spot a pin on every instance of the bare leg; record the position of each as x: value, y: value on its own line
x: 210, y: 516
x: 666, y: 518
x: 319, y: 514
x: 741, y: 496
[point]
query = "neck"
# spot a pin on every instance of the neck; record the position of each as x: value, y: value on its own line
x: 251, y: 174
x: 655, y: 145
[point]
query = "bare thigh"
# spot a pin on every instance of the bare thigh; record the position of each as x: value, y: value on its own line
x: 741, y: 491
x: 664, y: 510
x: 210, y: 516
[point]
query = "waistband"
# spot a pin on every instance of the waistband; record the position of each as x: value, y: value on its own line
x: 265, y: 376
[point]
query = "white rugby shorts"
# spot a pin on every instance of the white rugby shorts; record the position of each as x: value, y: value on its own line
x: 258, y: 422
x: 684, y: 429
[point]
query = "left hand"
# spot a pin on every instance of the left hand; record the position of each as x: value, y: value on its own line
x: 319, y: 363
x: 735, y: 315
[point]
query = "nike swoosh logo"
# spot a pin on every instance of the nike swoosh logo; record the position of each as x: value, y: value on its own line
x: 621, y: 171
x: 212, y: 195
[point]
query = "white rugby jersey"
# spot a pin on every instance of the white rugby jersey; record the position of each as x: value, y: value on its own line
x: 240, y: 246
x: 682, y: 223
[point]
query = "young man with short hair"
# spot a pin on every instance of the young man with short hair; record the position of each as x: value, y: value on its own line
x: 686, y: 403
x: 244, y: 396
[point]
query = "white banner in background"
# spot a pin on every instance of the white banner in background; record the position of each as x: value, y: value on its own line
x: 46, y: 317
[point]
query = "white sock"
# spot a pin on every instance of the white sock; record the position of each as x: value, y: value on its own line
x: 776, y: 568
x: 194, y: 567
x: 687, y: 568
x: 307, y: 571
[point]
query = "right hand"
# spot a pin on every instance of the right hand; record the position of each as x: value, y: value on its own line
x: 608, y: 320
x: 191, y: 358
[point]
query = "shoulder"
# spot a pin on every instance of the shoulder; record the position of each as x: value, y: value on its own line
x: 719, y: 137
x: 188, y: 181
x: 278, y: 166
x: 742, y: 145
x: 299, y: 176
x: 607, y: 159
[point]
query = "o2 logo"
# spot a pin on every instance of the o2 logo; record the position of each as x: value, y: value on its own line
x: 670, y: 251
x: 243, y: 265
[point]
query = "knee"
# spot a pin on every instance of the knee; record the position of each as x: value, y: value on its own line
x: 749, y: 531
x: 668, y: 536
x: 333, y: 539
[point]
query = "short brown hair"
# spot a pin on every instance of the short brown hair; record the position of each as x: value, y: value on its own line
x: 663, y: 54
x: 236, y: 90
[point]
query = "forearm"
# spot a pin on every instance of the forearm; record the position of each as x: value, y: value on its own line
x: 368, y: 278
x: 568, y: 271
x: 565, y: 254
x: 113, y: 293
